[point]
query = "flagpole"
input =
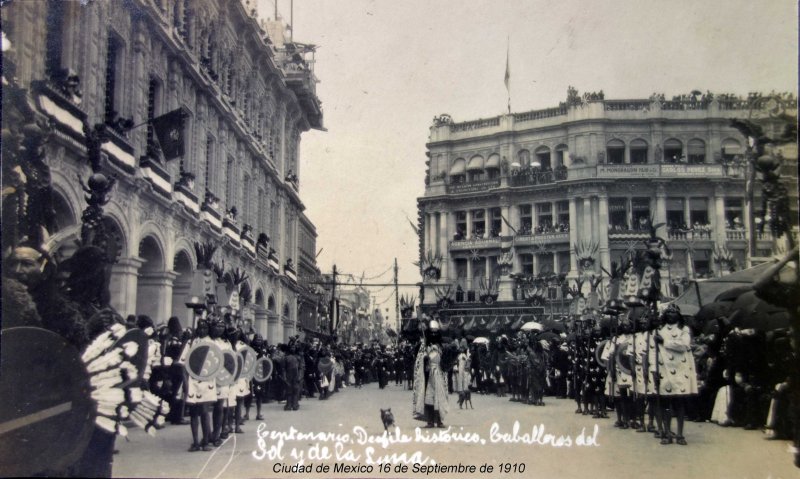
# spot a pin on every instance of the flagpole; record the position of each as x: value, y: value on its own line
x: 508, y: 73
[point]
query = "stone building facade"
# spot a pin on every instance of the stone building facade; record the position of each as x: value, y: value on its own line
x: 248, y: 97
x: 531, y: 193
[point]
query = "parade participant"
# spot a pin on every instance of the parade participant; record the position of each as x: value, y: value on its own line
x: 619, y: 381
x: 171, y: 347
x: 292, y: 377
x: 200, y: 395
x: 144, y: 323
x: 259, y: 389
x: 435, y: 388
x: 678, y: 378
x: 241, y: 388
x: 462, y: 376
x: 536, y: 371
x: 644, y: 385
x: 220, y: 412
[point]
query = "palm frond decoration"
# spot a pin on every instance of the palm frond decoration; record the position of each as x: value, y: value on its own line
x: 205, y: 253
x: 586, y: 251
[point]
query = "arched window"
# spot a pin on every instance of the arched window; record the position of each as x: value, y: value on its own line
x: 731, y: 148
x: 458, y: 171
x: 543, y: 158
x: 493, y: 166
x: 673, y: 150
x: 475, y: 168
x: 697, y: 150
x: 638, y: 149
x: 615, y: 152
x: 524, y: 158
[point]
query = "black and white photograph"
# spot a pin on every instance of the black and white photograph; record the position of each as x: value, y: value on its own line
x: 399, y: 239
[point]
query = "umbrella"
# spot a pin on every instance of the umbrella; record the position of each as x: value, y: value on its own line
x: 758, y: 314
x: 548, y: 336
x: 555, y: 325
x: 532, y: 325
x: 480, y: 340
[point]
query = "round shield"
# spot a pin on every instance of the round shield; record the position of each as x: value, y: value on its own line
x: 262, y: 370
x: 139, y: 360
x: 623, y: 360
x: 325, y: 365
x: 598, y: 352
x: 239, y: 365
x: 225, y: 375
x: 205, y: 360
x: 248, y: 368
x: 47, y: 414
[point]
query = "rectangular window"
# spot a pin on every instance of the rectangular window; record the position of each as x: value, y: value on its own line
x: 525, y: 220
x: 640, y: 212
x: 698, y: 211
x: 497, y: 223
x: 675, y: 215
x: 113, y: 61
x: 544, y: 216
x: 618, y: 214
x: 638, y: 155
x: 527, y: 264
x: 563, y: 215
x: 733, y: 213
x: 478, y: 224
x: 461, y: 225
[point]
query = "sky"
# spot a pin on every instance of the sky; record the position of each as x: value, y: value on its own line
x: 387, y: 67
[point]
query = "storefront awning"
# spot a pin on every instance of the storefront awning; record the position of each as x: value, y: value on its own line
x: 459, y: 167
x: 493, y: 162
x: 475, y: 163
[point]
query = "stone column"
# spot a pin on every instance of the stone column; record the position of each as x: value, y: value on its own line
x: 573, y: 235
x: 273, y: 330
x: 260, y: 323
x: 468, y: 233
x: 586, y: 232
x: 449, y: 261
x: 504, y: 230
x: 661, y: 209
x: 719, y: 208
x: 515, y: 218
x: 687, y: 217
x: 535, y: 264
x: 124, y: 276
x: 602, y: 223
x: 627, y: 155
x: 486, y: 221
x: 469, y: 273
x: 488, y: 267
x: 154, y: 295
x: 444, y: 222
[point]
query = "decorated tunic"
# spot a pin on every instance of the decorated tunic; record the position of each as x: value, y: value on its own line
x: 676, y: 362
x: 198, y: 391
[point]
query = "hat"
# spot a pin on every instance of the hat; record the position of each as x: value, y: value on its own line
x: 434, y: 325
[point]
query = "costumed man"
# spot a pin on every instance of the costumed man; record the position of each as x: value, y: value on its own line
x: 434, y: 382
x: 200, y: 395
x: 619, y: 381
x: 220, y: 409
x: 241, y: 389
x: 259, y: 388
x: 418, y: 396
x: 292, y: 377
x: 463, y: 377
x: 644, y: 362
x: 171, y: 347
x: 678, y: 376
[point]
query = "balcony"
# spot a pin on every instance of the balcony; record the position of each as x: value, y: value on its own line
x: 529, y: 177
x: 476, y: 243
x: 700, y: 234
x: 736, y: 235
x: 627, y: 235
x: 472, y: 187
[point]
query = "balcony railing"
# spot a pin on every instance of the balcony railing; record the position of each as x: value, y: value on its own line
x: 690, y: 235
x: 540, y: 114
x: 475, y: 124
x: 626, y: 234
x: 626, y: 105
x: 475, y: 243
x: 528, y: 177
x: 732, y: 235
x: 471, y: 187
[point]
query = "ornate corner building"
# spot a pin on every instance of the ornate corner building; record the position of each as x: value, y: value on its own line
x: 248, y: 93
x: 532, y: 193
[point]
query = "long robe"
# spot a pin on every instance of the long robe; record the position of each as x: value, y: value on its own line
x: 436, y: 384
x: 418, y: 401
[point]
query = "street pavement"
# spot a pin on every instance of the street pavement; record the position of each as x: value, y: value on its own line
x: 551, y: 441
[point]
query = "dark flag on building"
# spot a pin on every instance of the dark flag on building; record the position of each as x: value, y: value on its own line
x: 169, y: 133
x: 334, y: 315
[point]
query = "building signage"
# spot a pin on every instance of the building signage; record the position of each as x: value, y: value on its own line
x: 471, y: 187
x: 632, y: 171
x: 510, y: 312
x: 691, y: 170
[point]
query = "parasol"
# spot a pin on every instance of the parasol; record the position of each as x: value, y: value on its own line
x: 532, y: 326
x: 480, y: 340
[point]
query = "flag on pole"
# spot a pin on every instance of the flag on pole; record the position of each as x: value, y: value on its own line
x: 508, y: 224
x: 507, y: 78
x: 168, y: 130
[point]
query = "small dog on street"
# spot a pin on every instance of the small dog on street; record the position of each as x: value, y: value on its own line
x: 387, y: 418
